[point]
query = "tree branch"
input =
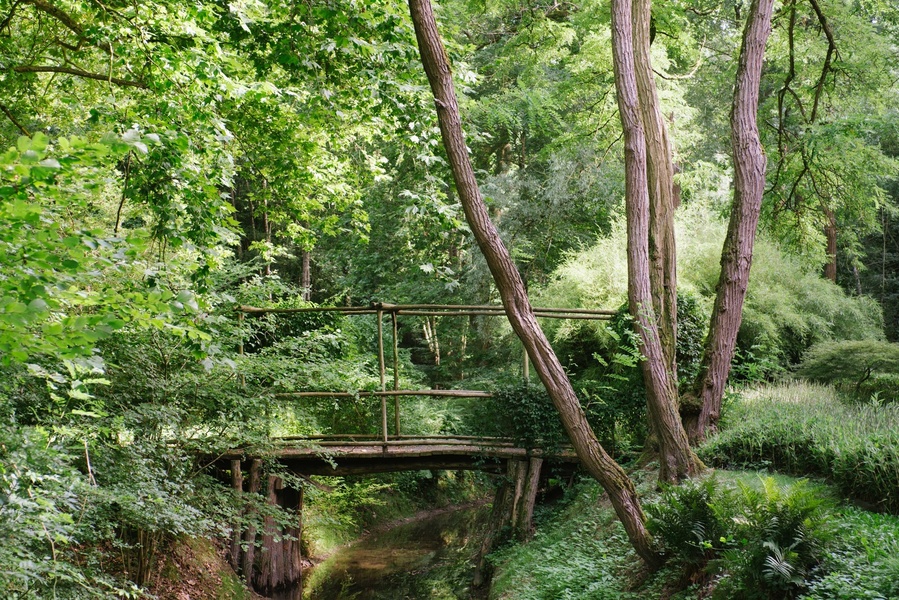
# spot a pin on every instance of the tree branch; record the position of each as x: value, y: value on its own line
x: 15, y: 122
x: 67, y: 20
x: 80, y: 73
x: 8, y: 19
x: 828, y: 60
x: 118, y: 214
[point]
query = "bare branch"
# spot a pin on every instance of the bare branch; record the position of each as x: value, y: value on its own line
x: 8, y: 19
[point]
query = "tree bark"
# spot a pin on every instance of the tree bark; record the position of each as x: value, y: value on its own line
x: 736, y: 255
x: 660, y: 180
x: 677, y: 459
x: 508, y: 281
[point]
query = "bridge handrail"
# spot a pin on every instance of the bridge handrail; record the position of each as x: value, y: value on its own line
x: 424, y: 310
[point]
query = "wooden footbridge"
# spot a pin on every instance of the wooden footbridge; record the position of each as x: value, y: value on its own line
x: 362, y: 455
x: 388, y: 451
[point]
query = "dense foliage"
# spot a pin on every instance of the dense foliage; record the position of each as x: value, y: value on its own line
x: 765, y: 543
x: 868, y: 366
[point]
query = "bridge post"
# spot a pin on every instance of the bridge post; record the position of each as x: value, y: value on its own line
x: 523, y: 523
x: 383, y: 373
x: 249, y: 557
x: 269, y: 562
x: 396, y: 374
x: 237, y: 485
x: 240, y: 318
x: 518, y: 473
x: 504, y: 503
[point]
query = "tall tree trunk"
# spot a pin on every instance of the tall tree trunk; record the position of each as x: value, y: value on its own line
x: 508, y: 281
x: 660, y: 179
x: 306, y: 276
x: 677, y: 459
x: 830, y: 232
x: 736, y: 255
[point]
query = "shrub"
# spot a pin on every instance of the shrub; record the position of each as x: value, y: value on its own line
x: 42, y: 500
x: 850, y: 362
x: 863, y: 562
x: 779, y: 536
x: 840, y: 553
x: 526, y: 413
x: 788, y: 308
x: 763, y: 542
x: 688, y: 523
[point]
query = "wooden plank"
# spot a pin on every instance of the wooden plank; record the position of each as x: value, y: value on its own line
x: 353, y: 436
x: 490, y: 313
x: 363, y: 450
x: 341, y: 309
x: 416, y: 442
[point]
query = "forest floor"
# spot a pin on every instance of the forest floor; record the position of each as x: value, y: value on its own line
x: 195, y: 569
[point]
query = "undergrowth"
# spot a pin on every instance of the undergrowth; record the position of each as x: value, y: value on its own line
x: 733, y: 536
x: 582, y: 551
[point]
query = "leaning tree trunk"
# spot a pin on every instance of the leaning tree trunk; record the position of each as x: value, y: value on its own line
x: 660, y: 179
x: 511, y: 287
x: 736, y: 256
x: 677, y: 460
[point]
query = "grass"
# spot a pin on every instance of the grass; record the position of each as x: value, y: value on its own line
x: 807, y: 429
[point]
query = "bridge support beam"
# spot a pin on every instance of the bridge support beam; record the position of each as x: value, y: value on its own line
x: 237, y: 484
x: 513, y: 505
x: 523, y: 525
x: 278, y: 561
x: 249, y: 557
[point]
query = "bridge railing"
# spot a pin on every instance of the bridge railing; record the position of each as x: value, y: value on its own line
x: 422, y: 310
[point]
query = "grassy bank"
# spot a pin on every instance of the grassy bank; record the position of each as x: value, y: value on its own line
x: 807, y: 429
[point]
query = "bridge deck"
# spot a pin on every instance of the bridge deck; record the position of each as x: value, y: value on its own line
x: 354, y: 455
